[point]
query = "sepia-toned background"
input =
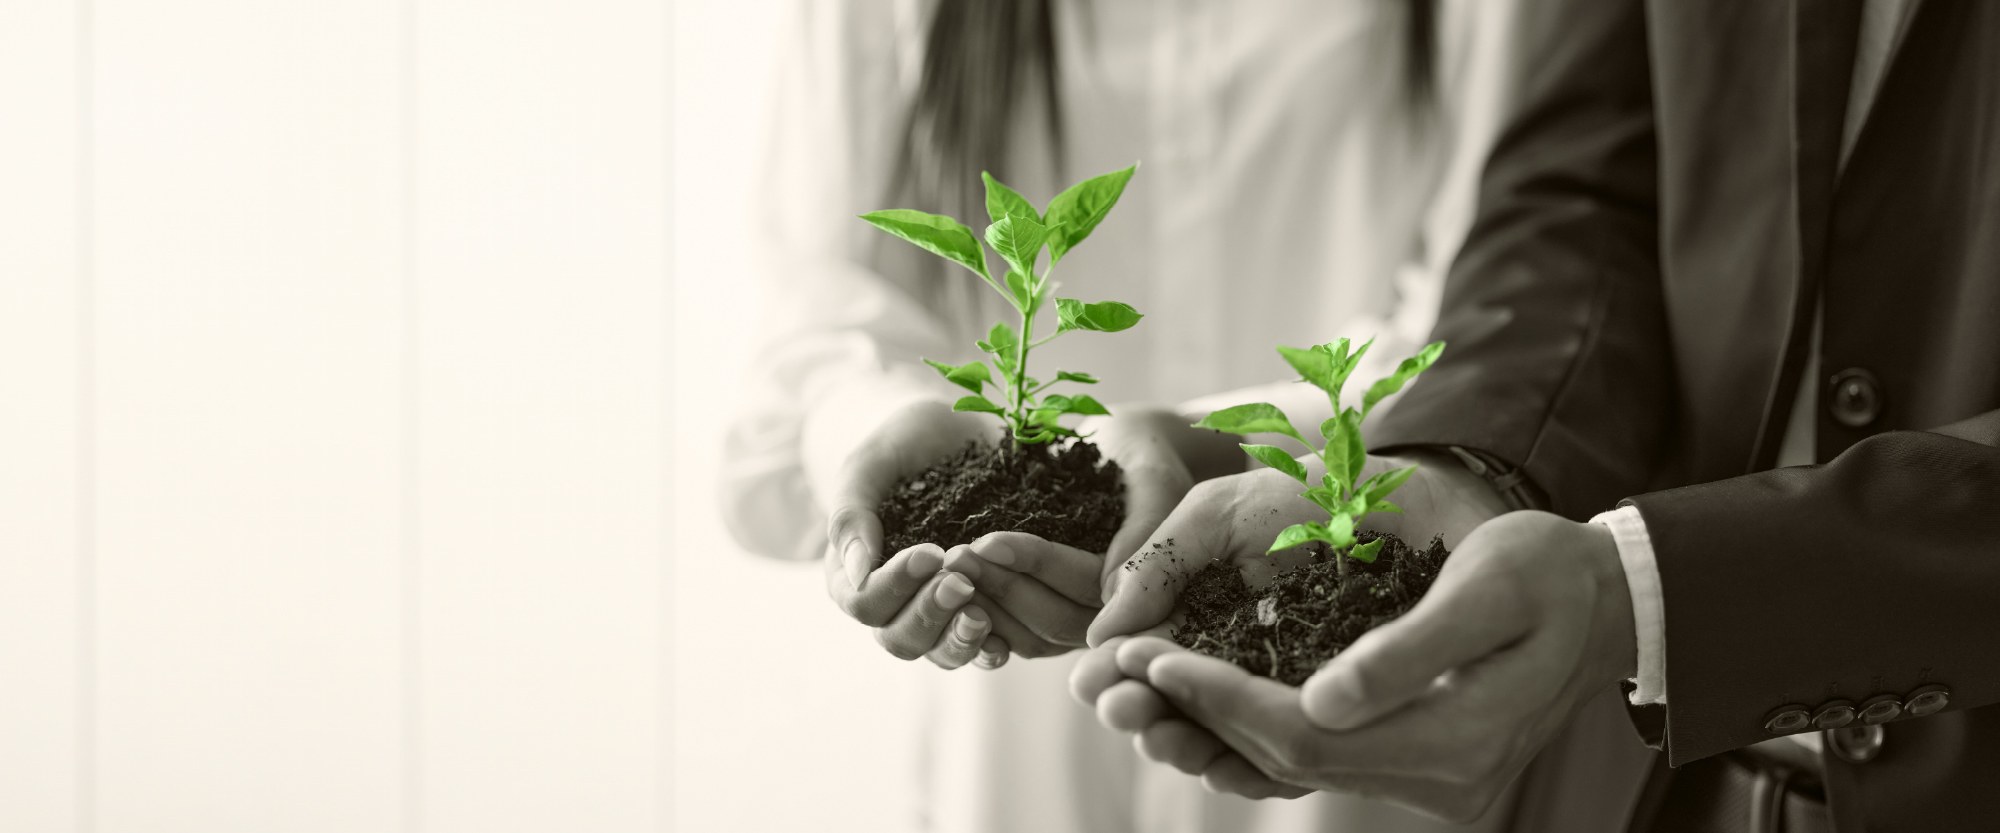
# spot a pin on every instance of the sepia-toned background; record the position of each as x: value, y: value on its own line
x: 361, y: 370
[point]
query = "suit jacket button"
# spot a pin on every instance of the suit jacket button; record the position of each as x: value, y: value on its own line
x: 1854, y: 397
x: 1856, y: 744
x: 1785, y: 720
x: 1930, y: 699
x: 1881, y: 708
x: 1833, y: 715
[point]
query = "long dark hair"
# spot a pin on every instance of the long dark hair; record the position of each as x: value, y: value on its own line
x: 985, y: 59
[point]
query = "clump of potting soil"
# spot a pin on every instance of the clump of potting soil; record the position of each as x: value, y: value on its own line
x: 1062, y: 492
x: 1288, y: 628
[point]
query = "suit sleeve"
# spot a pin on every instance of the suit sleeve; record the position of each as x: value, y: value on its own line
x: 1874, y: 574
x: 1557, y: 357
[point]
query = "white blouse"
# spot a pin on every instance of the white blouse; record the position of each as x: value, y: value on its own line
x: 1289, y: 194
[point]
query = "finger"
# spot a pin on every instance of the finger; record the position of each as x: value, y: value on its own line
x: 1021, y: 639
x: 1131, y: 706
x: 1063, y: 568
x: 1143, y: 592
x: 993, y: 653
x: 1052, y: 616
x: 1233, y: 774
x: 854, y: 536
x: 886, y: 591
x: 1256, y: 716
x: 921, y: 623
x: 1140, y: 595
x: 1394, y: 664
x: 1095, y: 672
x: 1137, y: 653
x: 1181, y: 745
x: 962, y: 641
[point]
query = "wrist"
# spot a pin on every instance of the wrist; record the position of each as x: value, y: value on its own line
x: 1205, y: 454
x: 1616, y: 648
x: 1451, y: 479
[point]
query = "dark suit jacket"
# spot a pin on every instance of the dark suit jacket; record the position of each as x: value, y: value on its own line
x: 1630, y: 319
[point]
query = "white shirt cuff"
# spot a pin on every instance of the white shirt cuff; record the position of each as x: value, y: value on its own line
x: 1649, y: 612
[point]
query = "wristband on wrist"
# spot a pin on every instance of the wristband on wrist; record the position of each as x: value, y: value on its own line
x: 1513, y: 484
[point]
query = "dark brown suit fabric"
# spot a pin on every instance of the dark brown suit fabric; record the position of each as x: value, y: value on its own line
x: 1633, y: 311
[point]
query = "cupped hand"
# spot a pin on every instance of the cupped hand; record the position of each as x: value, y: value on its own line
x: 916, y: 608
x: 1439, y: 710
x: 1236, y: 518
x: 1043, y: 595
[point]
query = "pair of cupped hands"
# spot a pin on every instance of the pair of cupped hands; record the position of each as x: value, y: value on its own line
x: 1438, y: 710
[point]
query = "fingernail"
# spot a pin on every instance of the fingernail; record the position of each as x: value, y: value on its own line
x: 994, y: 550
x: 971, y: 625
x: 855, y: 556
x: 953, y: 590
x: 924, y: 562
x: 961, y: 559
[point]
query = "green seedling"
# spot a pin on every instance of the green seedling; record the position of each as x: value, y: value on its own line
x: 1018, y: 234
x: 1345, y: 500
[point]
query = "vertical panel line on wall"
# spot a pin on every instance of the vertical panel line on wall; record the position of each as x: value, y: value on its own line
x: 411, y: 668
x: 664, y: 794
x: 86, y: 416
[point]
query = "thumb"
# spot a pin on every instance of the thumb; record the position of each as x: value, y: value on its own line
x: 1144, y: 591
x: 1151, y: 493
x: 1396, y: 663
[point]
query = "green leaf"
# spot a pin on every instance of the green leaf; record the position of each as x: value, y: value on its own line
x: 1036, y: 437
x: 1018, y: 239
x: 1082, y: 405
x: 1277, y: 458
x: 1079, y: 378
x: 1020, y: 289
x: 971, y: 375
x: 1101, y: 317
x: 1315, y: 365
x: 1383, y: 506
x: 1404, y: 373
x: 1339, y: 535
x: 1076, y: 212
x: 1344, y: 452
x: 978, y: 404
x: 1324, y: 497
x: 1256, y: 418
x: 1365, y: 553
x: 1383, y: 484
x: 937, y: 234
x: 1298, y: 534
x: 1353, y: 360
x: 1002, y: 341
x: 1002, y: 201
x: 1340, y: 532
x: 1044, y: 418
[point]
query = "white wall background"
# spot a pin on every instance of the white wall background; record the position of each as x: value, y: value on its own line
x: 358, y: 363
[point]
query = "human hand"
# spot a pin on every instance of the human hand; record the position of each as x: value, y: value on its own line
x: 1438, y: 710
x: 915, y: 607
x: 1236, y: 518
x: 1052, y: 590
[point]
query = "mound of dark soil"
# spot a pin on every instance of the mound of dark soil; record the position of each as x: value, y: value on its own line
x: 1288, y: 628
x: 1066, y: 493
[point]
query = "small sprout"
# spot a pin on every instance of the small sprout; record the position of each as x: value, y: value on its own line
x: 1340, y: 491
x: 1019, y: 234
